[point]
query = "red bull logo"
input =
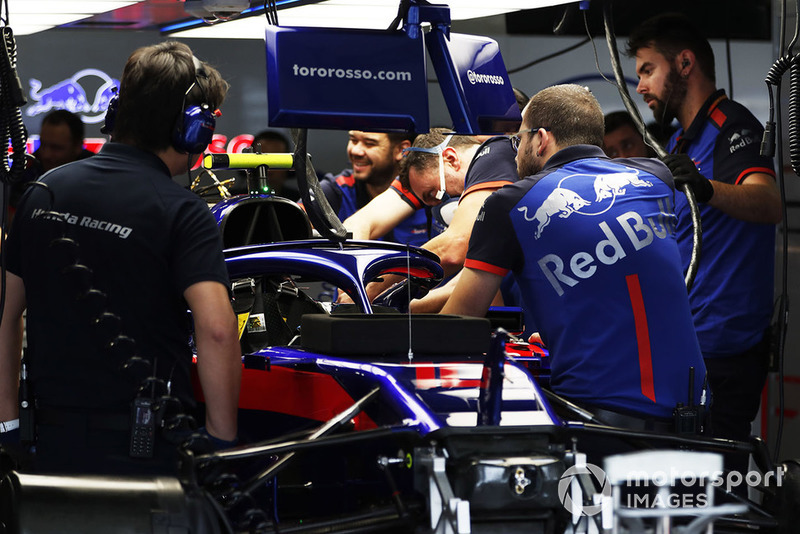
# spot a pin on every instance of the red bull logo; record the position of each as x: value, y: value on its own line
x: 72, y: 94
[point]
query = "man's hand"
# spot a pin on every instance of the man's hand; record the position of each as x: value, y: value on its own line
x: 685, y: 172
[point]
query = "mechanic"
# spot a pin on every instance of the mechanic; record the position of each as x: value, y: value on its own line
x: 441, y: 165
x: 388, y: 209
x: 716, y: 152
x: 154, y: 250
x: 622, y: 139
x: 590, y: 242
x: 375, y: 158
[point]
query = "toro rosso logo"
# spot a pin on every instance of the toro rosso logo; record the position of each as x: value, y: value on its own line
x: 563, y: 202
x: 73, y: 93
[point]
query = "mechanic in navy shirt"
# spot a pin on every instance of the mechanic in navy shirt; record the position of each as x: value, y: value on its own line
x: 591, y: 243
x: 716, y: 152
x: 154, y: 251
x: 440, y: 165
x: 375, y: 158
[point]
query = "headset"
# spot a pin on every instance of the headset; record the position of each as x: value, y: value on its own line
x: 195, y: 125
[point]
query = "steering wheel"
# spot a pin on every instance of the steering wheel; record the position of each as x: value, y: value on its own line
x: 400, y: 294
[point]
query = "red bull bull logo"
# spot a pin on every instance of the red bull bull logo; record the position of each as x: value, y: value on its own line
x: 72, y: 94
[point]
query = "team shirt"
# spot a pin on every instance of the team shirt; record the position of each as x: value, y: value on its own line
x: 146, y: 239
x: 731, y: 297
x: 492, y: 167
x: 591, y: 243
x: 346, y: 195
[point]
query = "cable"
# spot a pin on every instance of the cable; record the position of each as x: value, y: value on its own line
x: 694, y: 210
x: 539, y: 60
x: 786, y: 61
x: 408, y: 312
x: 783, y: 309
x: 594, y: 49
x: 12, y: 98
x: 549, y: 56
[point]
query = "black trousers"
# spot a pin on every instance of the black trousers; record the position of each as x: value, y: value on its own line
x: 71, y: 443
x: 736, y: 383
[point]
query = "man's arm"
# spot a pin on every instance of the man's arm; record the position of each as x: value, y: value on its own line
x: 473, y: 293
x: 438, y: 297
x: 219, y: 359
x: 11, y: 347
x: 451, y: 245
x: 756, y: 199
x: 379, y: 216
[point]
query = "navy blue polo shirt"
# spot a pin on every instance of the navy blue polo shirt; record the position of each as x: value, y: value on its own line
x: 591, y: 243
x: 732, y: 293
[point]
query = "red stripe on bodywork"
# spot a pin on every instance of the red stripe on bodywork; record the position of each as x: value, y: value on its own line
x: 404, y: 271
x: 313, y: 396
x: 642, y: 336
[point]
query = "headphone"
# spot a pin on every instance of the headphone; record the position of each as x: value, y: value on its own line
x: 195, y: 125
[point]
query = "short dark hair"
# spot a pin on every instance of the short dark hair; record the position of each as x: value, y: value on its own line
x: 570, y: 112
x: 74, y: 123
x: 395, y: 138
x: 423, y: 160
x: 618, y: 119
x: 668, y: 34
x: 153, y: 92
x: 272, y: 135
x: 521, y: 98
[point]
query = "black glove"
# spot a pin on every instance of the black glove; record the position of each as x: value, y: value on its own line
x: 685, y: 172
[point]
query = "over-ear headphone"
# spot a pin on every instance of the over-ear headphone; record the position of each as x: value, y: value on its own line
x: 111, y: 112
x: 194, y: 127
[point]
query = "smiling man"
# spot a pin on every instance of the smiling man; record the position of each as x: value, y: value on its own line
x: 375, y: 160
x: 716, y: 152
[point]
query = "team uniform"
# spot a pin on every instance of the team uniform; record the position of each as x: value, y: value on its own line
x: 492, y: 167
x: 732, y: 294
x: 346, y: 195
x: 146, y: 240
x: 591, y: 243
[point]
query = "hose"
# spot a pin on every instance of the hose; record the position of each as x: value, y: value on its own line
x: 12, y: 129
x: 697, y: 230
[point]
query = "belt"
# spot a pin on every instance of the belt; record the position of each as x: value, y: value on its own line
x: 8, y: 426
x: 632, y: 422
x: 92, y: 421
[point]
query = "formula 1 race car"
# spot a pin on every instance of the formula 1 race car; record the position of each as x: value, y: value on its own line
x: 361, y: 418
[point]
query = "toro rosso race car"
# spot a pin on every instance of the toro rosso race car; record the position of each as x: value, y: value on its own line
x: 363, y: 418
